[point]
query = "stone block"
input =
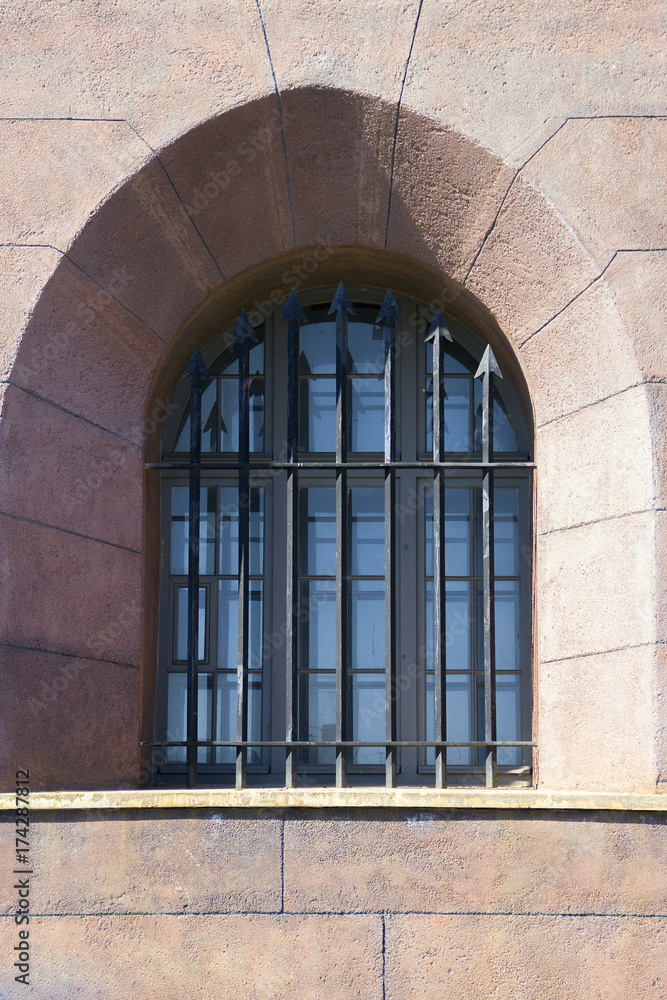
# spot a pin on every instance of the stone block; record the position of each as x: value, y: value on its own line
x: 606, y: 177
x: 73, y: 722
x: 596, y: 588
x: 81, y: 597
x: 637, y: 282
x: 230, y: 175
x: 597, y: 725
x: 505, y: 957
x: 84, y: 352
x: 445, y: 195
x: 352, y: 46
x: 62, y: 471
x: 531, y: 266
x: 509, y: 74
x: 580, y: 357
x: 596, y: 463
x: 54, y: 173
x: 143, y: 249
x: 147, y: 862
x: 339, y: 153
x: 23, y: 273
x: 235, y: 956
x: 483, y: 862
x: 163, y: 66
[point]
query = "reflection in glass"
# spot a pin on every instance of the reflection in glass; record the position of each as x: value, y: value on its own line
x: 366, y: 624
x: 367, y: 414
x: 226, y: 716
x: 317, y: 716
x: 459, y: 722
x: 180, y: 530
x: 365, y: 345
x: 229, y: 531
x: 317, y: 512
x: 317, y: 629
x: 182, y: 624
x: 367, y: 532
x: 177, y: 726
x: 317, y: 414
x: 457, y: 531
x: 367, y: 717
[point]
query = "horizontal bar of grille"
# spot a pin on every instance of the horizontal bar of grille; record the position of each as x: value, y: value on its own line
x: 325, y: 464
x: 332, y: 744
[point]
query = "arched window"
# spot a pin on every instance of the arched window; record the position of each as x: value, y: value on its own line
x: 336, y: 551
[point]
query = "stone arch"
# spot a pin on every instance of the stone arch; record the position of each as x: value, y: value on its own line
x: 229, y: 212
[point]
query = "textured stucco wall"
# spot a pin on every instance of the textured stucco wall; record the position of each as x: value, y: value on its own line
x: 156, y: 156
x: 343, y: 904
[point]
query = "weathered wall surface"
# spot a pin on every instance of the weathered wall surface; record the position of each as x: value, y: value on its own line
x: 345, y: 904
x: 157, y: 153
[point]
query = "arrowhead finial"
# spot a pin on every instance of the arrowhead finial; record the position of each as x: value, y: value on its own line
x: 341, y: 301
x: 196, y: 365
x: 438, y: 328
x: 389, y: 311
x: 243, y: 329
x: 293, y: 308
x: 488, y: 365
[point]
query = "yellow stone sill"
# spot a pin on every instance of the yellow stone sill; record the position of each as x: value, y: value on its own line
x: 342, y: 798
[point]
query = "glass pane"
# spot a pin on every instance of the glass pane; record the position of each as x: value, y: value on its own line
x: 229, y: 531
x: 180, y: 533
x: 317, y: 716
x: 227, y: 362
x: 454, y: 364
x: 459, y: 721
x: 508, y: 716
x: 367, y: 717
x: 256, y: 415
x: 317, y: 414
x: 366, y: 624
x: 229, y: 392
x: 317, y: 511
x: 256, y: 561
x: 457, y: 625
x: 365, y: 345
x: 457, y: 531
x: 504, y: 438
x: 228, y: 624
x: 367, y: 532
x: 177, y: 715
x: 182, y: 624
x: 317, y: 344
x: 366, y: 414
x: 457, y: 414
x: 507, y: 625
x: 506, y: 532
x: 317, y: 632
x: 226, y: 717
x: 255, y: 624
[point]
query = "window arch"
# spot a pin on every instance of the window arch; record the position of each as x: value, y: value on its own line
x: 354, y: 539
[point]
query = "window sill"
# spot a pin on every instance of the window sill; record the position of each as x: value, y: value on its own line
x: 341, y: 798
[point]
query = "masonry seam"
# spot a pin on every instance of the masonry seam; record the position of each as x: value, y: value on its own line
x: 176, y: 192
x: 396, y: 123
x: 68, y: 531
x: 384, y: 956
x: 69, y: 656
x: 282, y: 865
x: 63, y: 409
x: 603, y: 399
x: 605, y: 652
x: 282, y: 120
x: 602, y: 520
x: 523, y: 914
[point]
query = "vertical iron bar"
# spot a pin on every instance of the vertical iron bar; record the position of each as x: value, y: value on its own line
x: 196, y: 369
x: 243, y: 334
x: 438, y: 332
x: 341, y: 305
x: 389, y: 314
x: 293, y: 313
x: 487, y: 369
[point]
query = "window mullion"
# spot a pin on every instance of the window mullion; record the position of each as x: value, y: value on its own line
x: 243, y: 334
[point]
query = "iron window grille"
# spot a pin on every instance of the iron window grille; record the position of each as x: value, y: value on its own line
x: 230, y: 553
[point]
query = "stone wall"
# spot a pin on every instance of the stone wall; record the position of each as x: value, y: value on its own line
x: 345, y: 903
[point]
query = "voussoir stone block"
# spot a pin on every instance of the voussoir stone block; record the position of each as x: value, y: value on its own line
x: 84, y: 599
x: 351, y: 46
x: 165, y: 862
x: 83, y: 351
x: 509, y: 74
x: 63, y: 471
x: 597, y: 724
x: 72, y: 722
x: 339, y: 154
x: 505, y: 957
x: 608, y: 177
x: 235, y: 956
x: 446, y: 192
x: 55, y: 173
x: 23, y: 273
x: 638, y: 284
x: 531, y: 266
x: 230, y: 176
x: 582, y: 356
x: 596, y: 587
x: 143, y: 249
x: 470, y: 863
x: 596, y: 462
